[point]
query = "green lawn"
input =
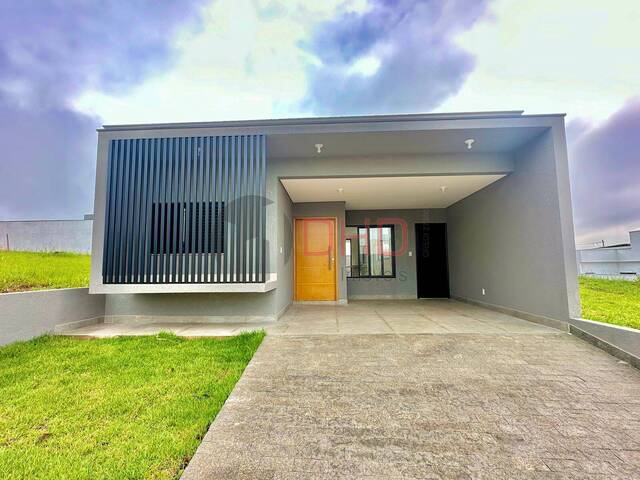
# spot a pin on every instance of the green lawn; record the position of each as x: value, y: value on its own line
x: 123, y: 408
x: 20, y: 271
x: 611, y: 301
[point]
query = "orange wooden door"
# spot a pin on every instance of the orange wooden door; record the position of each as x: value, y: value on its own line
x: 315, y: 251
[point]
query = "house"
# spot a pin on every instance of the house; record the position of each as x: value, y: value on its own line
x: 226, y: 221
x: 613, y: 261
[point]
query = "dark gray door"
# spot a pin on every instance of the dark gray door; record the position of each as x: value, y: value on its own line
x: 431, y: 260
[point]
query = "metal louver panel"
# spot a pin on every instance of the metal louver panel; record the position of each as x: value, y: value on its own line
x: 186, y: 210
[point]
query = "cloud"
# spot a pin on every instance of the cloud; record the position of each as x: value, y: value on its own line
x: 605, y: 175
x: 550, y: 56
x: 51, y: 51
x: 394, y: 57
x: 245, y: 62
x: 47, y: 169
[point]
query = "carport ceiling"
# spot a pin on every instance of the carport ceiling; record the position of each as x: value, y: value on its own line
x: 425, y: 142
x: 368, y: 193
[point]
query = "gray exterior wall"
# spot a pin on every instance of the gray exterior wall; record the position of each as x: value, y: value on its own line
x: 284, y: 291
x: 404, y: 284
x: 190, y: 307
x: 25, y: 315
x: 542, y: 220
x: 214, y: 307
x: 514, y: 240
x: 612, y: 262
x: 47, y: 235
x: 442, y: 164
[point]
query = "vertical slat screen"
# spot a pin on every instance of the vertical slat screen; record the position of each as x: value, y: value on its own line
x: 186, y: 210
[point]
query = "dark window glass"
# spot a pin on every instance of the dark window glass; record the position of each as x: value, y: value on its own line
x: 175, y: 229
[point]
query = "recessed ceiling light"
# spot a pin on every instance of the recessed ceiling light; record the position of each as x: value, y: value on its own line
x: 319, y: 147
x: 469, y: 142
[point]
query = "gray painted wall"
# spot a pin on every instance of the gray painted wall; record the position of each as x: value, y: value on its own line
x: 217, y: 306
x: 404, y: 285
x: 508, y: 239
x: 325, y: 165
x: 47, y: 235
x: 284, y: 291
x: 328, y: 209
x: 442, y: 164
x: 190, y: 307
x: 25, y: 315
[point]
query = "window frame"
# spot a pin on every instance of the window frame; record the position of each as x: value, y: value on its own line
x: 355, y: 251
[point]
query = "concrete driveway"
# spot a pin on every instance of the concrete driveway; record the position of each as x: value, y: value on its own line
x: 493, y: 404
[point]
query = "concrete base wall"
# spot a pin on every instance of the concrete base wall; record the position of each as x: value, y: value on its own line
x: 25, y: 315
x: 621, y: 342
x: 191, y: 307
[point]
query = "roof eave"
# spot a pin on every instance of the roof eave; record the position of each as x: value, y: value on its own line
x: 419, y: 117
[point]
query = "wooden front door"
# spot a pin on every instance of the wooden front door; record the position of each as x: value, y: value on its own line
x: 315, y: 251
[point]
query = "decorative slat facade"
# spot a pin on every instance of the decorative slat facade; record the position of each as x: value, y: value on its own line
x: 186, y: 210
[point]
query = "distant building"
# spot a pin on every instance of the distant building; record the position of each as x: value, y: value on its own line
x: 615, y: 261
x: 47, y: 235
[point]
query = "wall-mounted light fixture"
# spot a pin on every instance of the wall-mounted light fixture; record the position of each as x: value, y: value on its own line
x: 319, y: 147
x: 469, y: 142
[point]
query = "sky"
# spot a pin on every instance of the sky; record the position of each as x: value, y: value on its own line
x: 68, y: 67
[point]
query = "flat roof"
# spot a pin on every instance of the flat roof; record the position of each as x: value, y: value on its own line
x: 411, y: 117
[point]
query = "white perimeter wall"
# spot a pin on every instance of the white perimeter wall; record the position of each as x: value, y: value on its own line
x: 47, y: 236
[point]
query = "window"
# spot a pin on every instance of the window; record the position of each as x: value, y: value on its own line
x: 191, y: 227
x: 374, y: 255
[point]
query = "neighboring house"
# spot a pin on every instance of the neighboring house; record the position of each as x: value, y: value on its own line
x: 616, y: 261
x: 47, y: 235
x: 237, y: 220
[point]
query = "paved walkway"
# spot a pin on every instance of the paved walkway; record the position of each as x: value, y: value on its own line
x: 488, y: 405
x: 399, y: 317
x: 356, y: 318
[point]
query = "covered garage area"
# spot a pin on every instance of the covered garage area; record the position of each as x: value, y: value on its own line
x: 473, y: 209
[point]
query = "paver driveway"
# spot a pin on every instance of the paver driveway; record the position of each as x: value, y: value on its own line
x: 535, y: 404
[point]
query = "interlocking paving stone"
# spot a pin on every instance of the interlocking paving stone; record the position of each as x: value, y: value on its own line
x: 469, y: 406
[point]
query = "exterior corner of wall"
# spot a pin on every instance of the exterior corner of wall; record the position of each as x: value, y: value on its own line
x: 509, y: 239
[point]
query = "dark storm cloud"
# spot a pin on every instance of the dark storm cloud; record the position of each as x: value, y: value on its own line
x: 605, y: 172
x: 420, y: 65
x: 50, y: 51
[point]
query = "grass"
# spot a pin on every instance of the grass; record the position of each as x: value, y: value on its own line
x: 611, y: 301
x: 123, y: 408
x: 21, y: 271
